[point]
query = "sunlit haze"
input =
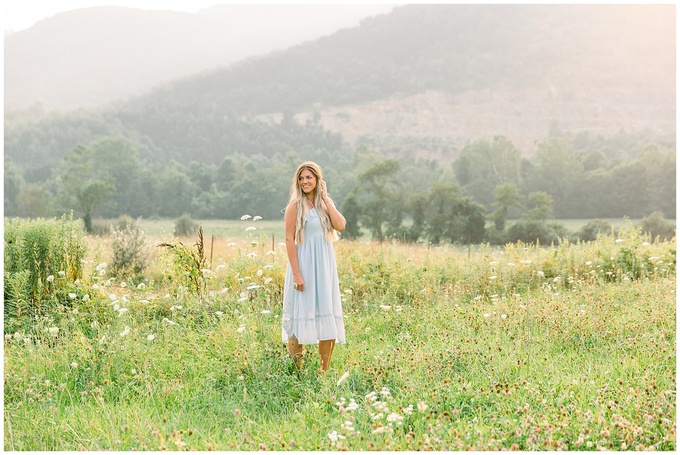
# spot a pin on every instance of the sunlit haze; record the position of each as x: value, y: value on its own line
x: 22, y: 14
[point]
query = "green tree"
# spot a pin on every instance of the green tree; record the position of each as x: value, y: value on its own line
x: 380, y: 197
x: 453, y: 217
x: 507, y: 195
x: 33, y: 201
x: 540, y: 206
x: 352, y: 213
x: 558, y: 172
x: 485, y: 164
x: 83, y: 190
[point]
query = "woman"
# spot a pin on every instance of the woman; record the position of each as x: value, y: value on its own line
x: 312, y: 312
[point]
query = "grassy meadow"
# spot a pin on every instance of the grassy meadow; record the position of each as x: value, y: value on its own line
x: 571, y: 347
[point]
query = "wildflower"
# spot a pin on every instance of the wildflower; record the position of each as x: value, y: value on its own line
x: 62, y: 273
x: 493, y: 263
x: 125, y: 332
x: 511, y: 264
x: 257, y: 218
x: 242, y: 299
x: 95, y: 286
x: 50, y: 278
x: 398, y: 308
x: 343, y: 378
x: 486, y: 315
x: 113, y: 297
x: 268, y: 280
x: 525, y: 262
x: 219, y: 313
x: 241, y: 329
x: 503, y: 316
x: 394, y: 417
x: 385, y: 391
x: 245, y: 217
x: 334, y: 436
x: 252, y: 255
x: 352, y: 406
x: 379, y: 430
x: 619, y: 240
x: 231, y: 244
x: 123, y: 284
x: 422, y: 406
x: 150, y: 337
x: 53, y: 330
x: 645, y: 243
x: 251, y: 228
x: 589, y: 262
x: 86, y: 297
x: 168, y: 321
x: 385, y: 307
x: 133, y: 371
x: 252, y: 287
x: 269, y: 253
x: 541, y: 273
x: 141, y: 286
x: 265, y: 312
x: 72, y: 295
x: 492, y: 277
x: 122, y: 311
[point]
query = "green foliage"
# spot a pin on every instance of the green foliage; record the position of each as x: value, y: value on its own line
x: 131, y: 251
x: 441, y: 344
x: 190, y: 264
x: 656, y: 225
x: 593, y: 229
x: 185, y: 226
x: 531, y: 232
x: 42, y: 258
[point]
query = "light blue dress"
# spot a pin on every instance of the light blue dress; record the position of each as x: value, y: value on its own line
x: 315, y: 313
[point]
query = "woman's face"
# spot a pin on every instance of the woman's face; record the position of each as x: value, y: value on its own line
x: 307, y: 181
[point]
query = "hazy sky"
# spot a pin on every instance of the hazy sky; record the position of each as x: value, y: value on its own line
x: 21, y: 14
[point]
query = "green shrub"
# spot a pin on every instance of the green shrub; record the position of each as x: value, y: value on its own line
x: 131, y: 251
x: 190, y: 264
x: 41, y: 257
x: 656, y: 225
x: 532, y: 232
x: 185, y: 226
x: 590, y: 231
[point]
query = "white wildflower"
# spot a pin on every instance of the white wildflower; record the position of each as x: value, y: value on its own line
x: 150, y: 337
x: 265, y: 312
x: 422, y: 406
x: 245, y: 217
x: 86, y: 297
x: 241, y: 329
x: 122, y: 311
x: 50, y: 278
x: 343, y: 378
x: 251, y: 228
x: 125, y: 331
x: 257, y: 218
x: 72, y: 295
x: 385, y: 307
x: 619, y: 240
x: 231, y: 244
x: 53, y: 330
x: 62, y: 273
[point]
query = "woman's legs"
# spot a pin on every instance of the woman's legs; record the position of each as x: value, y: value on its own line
x: 325, y: 353
x: 295, y: 350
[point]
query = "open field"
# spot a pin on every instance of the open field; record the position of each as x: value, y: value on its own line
x: 571, y: 348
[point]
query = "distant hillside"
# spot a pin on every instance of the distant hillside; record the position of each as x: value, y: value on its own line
x: 91, y: 56
x: 460, y: 72
x: 424, y: 80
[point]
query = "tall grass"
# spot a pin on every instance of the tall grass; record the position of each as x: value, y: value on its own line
x: 570, y: 347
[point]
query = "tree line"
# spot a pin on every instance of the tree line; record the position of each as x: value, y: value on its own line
x: 470, y: 200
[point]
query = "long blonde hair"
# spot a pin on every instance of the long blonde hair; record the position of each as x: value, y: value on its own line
x: 299, y: 199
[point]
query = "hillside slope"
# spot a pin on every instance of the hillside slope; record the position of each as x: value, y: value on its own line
x: 91, y: 56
